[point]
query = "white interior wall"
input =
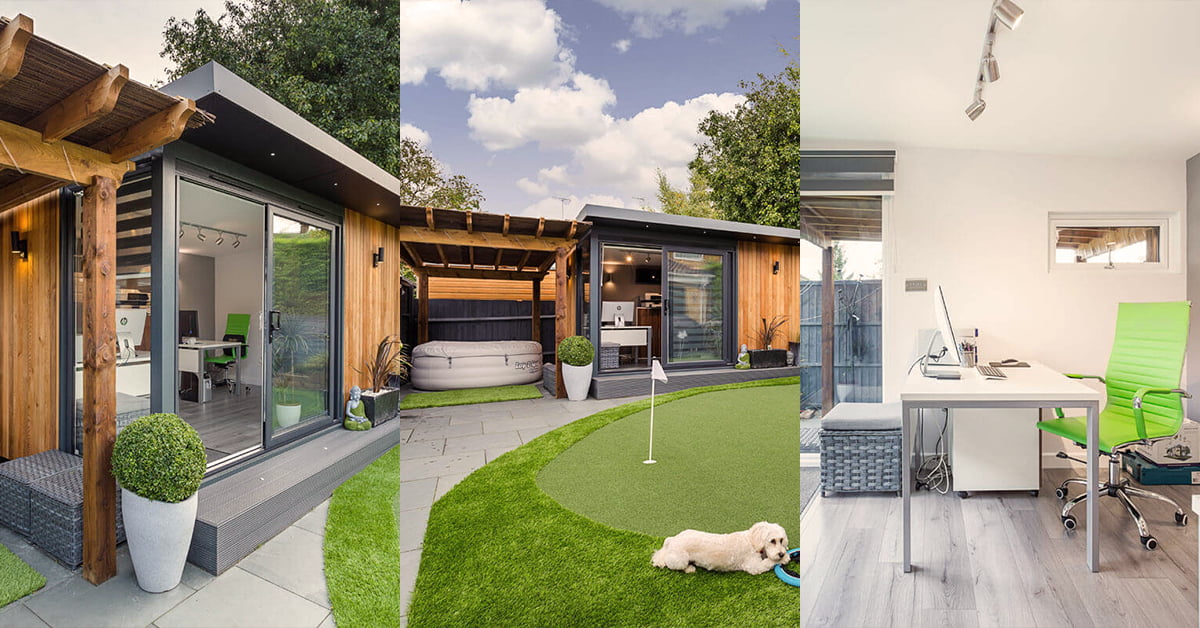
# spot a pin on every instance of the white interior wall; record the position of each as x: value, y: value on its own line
x: 976, y: 223
x: 240, y: 278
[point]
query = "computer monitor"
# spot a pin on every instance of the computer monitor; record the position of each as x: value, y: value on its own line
x: 610, y: 309
x: 131, y: 324
x: 189, y: 324
x: 949, y: 343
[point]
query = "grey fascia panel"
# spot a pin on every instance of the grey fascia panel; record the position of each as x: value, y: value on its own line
x: 214, y: 78
x: 741, y: 230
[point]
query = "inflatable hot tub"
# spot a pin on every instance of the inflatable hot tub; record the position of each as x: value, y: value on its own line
x: 449, y: 365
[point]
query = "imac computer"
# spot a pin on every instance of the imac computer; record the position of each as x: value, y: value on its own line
x: 949, y: 342
x: 131, y: 325
x: 610, y: 310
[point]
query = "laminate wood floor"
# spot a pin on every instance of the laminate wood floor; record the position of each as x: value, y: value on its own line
x: 994, y: 560
x: 228, y: 423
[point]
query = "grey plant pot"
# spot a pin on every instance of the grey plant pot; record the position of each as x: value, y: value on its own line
x: 381, y: 407
x: 159, y: 535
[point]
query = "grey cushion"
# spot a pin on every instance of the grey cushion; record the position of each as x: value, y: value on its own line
x: 862, y: 416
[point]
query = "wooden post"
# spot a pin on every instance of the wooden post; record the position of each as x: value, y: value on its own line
x: 422, y: 308
x: 827, y: 313
x: 561, y: 323
x: 537, y: 310
x: 99, y: 379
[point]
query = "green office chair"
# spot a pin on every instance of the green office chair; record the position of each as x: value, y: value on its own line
x: 1144, y: 402
x: 237, y: 326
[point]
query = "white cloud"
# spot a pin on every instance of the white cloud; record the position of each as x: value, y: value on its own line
x: 546, y: 177
x: 552, y: 207
x: 480, y: 45
x: 622, y: 45
x: 554, y: 117
x: 411, y: 132
x: 554, y: 174
x: 532, y: 188
x: 651, y: 19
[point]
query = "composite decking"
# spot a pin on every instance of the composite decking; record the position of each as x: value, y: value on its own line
x: 994, y: 559
x: 245, y: 507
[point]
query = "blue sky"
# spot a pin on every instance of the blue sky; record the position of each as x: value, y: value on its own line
x: 583, y: 99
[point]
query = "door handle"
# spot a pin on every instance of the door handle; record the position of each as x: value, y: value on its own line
x: 272, y: 324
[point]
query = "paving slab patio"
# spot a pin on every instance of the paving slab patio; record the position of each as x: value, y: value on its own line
x: 473, y: 436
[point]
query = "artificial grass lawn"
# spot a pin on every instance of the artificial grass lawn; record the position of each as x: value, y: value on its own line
x: 17, y: 579
x: 469, y: 396
x: 725, y: 460
x: 500, y: 552
x: 362, y: 546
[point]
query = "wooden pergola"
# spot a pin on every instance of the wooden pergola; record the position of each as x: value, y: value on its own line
x: 67, y: 120
x: 478, y: 245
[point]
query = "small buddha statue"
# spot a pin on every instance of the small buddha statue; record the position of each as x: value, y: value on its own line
x: 356, y: 414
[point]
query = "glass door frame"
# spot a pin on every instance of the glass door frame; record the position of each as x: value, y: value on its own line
x: 333, y: 377
x: 729, y: 320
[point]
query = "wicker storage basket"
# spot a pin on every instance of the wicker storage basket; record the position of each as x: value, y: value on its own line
x: 610, y: 355
x: 858, y: 461
x: 15, y: 477
x: 57, y: 516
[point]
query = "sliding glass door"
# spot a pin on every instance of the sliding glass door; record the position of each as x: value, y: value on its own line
x: 695, y: 306
x: 301, y: 256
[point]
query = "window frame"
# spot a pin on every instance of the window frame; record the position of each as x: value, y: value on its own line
x: 1170, y: 245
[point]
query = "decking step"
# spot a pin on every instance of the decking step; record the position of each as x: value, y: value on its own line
x: 246, y: 507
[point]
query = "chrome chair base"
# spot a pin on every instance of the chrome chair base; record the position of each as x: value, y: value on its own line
x: 1118, y: 487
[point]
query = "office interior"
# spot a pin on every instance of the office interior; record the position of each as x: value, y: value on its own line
x: 631, y: 306
x: 220, y: 273
x: 1037, y: 225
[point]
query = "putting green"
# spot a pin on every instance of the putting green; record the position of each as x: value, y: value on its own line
x: 724, y: 461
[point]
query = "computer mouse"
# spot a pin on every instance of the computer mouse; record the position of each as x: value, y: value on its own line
x: 1010, y: 361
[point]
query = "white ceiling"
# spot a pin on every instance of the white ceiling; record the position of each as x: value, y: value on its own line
x: 1090, y: 77
x: 208, y: 207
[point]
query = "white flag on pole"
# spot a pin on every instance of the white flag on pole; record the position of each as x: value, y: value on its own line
x: 657, y: 372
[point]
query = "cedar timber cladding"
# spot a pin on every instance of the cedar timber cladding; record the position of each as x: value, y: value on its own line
x: 761, y: 293
x: 29, y: 296
x: 372, y: 293
x: 489, y: 289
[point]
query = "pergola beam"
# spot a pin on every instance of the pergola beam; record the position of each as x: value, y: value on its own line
x: 480, y: 273
x: 26, y: 189
x: 25, y: 151
x: 161, y: 128
x: 13, y: 41
x: 88, y: 104
x: 418, y: 235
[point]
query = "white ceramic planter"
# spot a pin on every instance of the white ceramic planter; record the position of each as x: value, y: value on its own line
x: 158, y: 534
x: 287, y: 414
x: 577, y: 380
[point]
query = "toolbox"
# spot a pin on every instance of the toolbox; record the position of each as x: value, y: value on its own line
x: 1146, y: 472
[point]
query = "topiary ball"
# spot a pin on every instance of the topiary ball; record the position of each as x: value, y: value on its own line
x: 159, y: 457
x: 576, y: 351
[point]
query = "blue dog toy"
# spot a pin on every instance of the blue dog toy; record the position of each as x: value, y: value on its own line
x: 787, y: 575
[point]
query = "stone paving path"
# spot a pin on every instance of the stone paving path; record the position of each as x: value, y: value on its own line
x: 441, y: 446
x: 281, y: 584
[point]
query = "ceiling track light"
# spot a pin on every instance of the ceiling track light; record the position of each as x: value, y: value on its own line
x: 200, y: 233
x: 237, y: 242
x: 1004, y: 12
x: 220, y: 238
x: 221, y: 233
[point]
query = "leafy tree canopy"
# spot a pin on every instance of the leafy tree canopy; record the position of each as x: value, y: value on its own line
x: 334, y: 62
x: 694, y: 202
x: 751, y: 156
x: 424, y: 182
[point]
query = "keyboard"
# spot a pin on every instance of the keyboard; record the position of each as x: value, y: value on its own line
x: 990, y: 372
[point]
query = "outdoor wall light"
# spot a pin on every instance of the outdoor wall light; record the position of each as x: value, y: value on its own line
x: 377, y: 257
x: 775, y: 268
x: 19, y: 246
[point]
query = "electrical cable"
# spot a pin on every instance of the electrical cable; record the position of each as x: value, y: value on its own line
x: 935, y: 477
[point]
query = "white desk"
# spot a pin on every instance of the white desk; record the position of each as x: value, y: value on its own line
x: 1034, y: 387
x: 628, y: 336
x: 191, y: 356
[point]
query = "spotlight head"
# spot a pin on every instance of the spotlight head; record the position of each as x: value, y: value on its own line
x: 991, y: 69
x: 220, y: 239
x: 200, y: 234
x: 1008, y: 13
x: 976, y: 108
x: 237, y: 242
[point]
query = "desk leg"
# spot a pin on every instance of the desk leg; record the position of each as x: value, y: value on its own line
x: 237, y: 367
x: 906, y: 483
x: 1093, y: 498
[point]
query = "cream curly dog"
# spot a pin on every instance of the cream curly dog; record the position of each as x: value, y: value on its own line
x: 753, y: 551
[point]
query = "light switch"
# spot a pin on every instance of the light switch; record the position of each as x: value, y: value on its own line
x: 916, y: 285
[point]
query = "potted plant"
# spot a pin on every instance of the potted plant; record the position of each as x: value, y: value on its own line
x: 380, y: 401
x: 286, y: 341
x: 794, y: 347
x: 158, y: 460
x: 769, y: 357
x: 575, y: 353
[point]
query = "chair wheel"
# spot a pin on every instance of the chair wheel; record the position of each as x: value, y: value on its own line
x: 1034, y: 493
x: 1150, y: 543
x: 1069, y: 522
x: 963, y: 494
x: 1060, y: 493
x: 1181, y: 519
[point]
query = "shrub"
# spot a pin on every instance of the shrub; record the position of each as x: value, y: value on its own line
x: 576, y: 351
x: 159, y: 457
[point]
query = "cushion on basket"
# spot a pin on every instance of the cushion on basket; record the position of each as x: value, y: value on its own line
x: 862, y: 416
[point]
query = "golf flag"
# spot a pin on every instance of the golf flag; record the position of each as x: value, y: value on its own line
x: 656, y: 372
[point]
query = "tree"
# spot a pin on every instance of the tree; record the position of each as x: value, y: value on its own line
x: 423, y: 181
x: 839, y: 261
x: 693, y: 202
x: 751, y: 156
x: 334, y: 62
